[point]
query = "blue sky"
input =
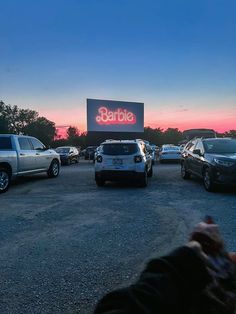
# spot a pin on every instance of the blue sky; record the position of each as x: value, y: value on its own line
x: 175, y: 56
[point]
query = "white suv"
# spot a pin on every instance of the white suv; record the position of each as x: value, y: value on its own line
x: 125, y: 159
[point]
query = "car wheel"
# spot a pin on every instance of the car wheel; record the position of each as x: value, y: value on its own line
x: 208, y: 180
x: 68, y: 162
x: 144, y: 180
x: 5, y: 178
x: 150, y: 172
x: 184, y: 172
x: 77, y: 160
x: 161, y: 161
x: 54, y: 169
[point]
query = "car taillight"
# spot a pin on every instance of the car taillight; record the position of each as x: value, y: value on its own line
x: 138, y: 159
x: 99, y: 158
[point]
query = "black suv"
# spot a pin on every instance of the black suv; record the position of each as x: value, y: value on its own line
x: 90, y: 152
x: 213, y: 159
x: 68, y: 154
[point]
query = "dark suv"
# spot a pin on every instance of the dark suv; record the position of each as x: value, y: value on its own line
x: 90, y: 152
x: 68, y: 154
x: 213, y: 159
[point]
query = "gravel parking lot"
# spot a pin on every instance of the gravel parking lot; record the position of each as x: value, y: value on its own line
x: 65, y: 242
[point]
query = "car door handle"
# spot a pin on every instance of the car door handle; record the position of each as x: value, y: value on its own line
x: 37, y: 154
x: 21, y: 154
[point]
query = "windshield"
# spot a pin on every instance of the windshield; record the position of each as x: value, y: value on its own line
x: 119, y: 149
x: 62, y: 150
x: 171, y: 148
x: 220, y: 146
x: 90, y: 149
x: 5, y: 143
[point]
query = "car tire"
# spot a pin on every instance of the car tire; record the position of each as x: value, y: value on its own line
x: 161, y: 161
x: 68, y: 162
x: 54, y: 169
x: 208, y: 180
x: 77, y: 160
x: 5, y: 179
x: 144, y: 180
x: 150, y: 172
x: 184, y: 172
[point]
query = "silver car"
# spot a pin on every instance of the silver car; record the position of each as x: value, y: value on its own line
x: 169, y: 153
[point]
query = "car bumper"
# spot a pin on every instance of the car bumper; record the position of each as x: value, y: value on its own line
x: 64, y: 160
x: 170, y: 158
x: 225, y: 176
x: 116, y: 175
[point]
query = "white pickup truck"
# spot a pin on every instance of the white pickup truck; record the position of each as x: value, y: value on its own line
x: 22, y: 155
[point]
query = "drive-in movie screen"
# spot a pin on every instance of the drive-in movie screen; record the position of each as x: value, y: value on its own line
x: 114, y: 116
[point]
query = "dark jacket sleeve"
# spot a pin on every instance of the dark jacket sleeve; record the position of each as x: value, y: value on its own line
x: 165, y: 286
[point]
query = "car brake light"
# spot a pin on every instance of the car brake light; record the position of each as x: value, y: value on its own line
x: 99, y: 158
x: 138, y: 159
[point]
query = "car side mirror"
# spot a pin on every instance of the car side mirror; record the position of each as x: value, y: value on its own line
x: 197, y: 152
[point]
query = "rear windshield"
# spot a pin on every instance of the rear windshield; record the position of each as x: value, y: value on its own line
x: 5, y: 143
x: 171, y: 148
x: 62, y: 150
x: 119, y: 149
x: 220, y: 146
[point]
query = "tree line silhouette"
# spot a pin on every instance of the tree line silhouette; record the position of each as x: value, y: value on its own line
x: 15, y: 120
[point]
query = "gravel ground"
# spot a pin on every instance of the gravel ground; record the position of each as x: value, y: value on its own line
x: 64, y: 242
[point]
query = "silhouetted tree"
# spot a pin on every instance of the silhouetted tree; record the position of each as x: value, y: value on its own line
x: 17, y: 119
x: 41, y: 128
x: 72, y: 132
x: 154, y: 136
x: 230, y: 133
x: 172, y: 136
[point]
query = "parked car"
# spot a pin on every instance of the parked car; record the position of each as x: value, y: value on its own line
x: 152, y: 152
x: 169, y: 153
x: 22, y: 155
x: 213, y: 160
x: 68, y: 154
x: 122, y: 160
x: 89, y: 152
x: 97, y: 150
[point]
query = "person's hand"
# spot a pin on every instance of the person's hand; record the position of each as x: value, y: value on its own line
x: 208, y: 235
x: 197, y: 248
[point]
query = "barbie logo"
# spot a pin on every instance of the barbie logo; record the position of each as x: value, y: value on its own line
x: 119, y: 116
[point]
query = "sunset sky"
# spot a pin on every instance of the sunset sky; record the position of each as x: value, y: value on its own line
x: 176, y: 56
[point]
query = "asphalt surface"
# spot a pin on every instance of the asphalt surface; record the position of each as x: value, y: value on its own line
x: 65, y: 242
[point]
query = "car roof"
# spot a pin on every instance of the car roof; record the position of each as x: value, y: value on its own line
x: 120, y: 142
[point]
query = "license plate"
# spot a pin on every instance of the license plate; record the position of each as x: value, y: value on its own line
x: 117, y: 161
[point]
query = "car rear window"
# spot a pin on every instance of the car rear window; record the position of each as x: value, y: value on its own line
x: 171, y: 148
x: 119, y: 149
x: 220, y: 146
x: 62, y: 150
x: 5, y: 143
